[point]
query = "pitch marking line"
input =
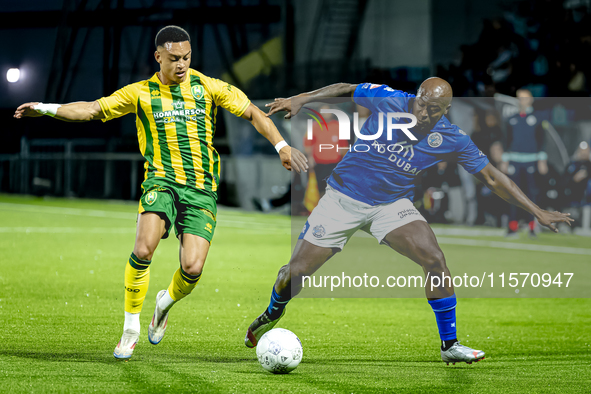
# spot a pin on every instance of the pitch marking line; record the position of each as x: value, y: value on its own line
x: 510, y: 245
x: 275, y: 226
x: 228, y: 219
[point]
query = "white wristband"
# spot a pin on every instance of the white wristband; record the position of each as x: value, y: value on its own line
x: 280, y: 145
x: 47, y: 109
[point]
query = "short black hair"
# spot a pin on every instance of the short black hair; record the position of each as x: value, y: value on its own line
x: 171, y: 34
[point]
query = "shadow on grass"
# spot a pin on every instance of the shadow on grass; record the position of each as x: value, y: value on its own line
x: 107, y: 357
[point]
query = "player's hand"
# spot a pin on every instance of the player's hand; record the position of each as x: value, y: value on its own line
x: 291, y: 105
x: 293, y: 158
x: 547, y: 219
x: 27, y: 110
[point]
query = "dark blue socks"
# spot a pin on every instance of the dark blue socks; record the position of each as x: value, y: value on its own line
x: 277, y: 305
x: 445, y: 314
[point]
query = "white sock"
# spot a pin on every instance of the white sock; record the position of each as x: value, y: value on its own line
x: 132, y: 322
x: 166, y: 302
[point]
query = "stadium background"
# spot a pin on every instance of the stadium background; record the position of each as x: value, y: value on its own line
x: 82, y: 50
x: 75, y: 50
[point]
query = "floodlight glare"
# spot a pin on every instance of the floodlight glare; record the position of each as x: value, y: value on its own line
x: 13, y: 75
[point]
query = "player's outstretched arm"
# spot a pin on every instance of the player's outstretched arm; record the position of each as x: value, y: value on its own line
x: 81, y: 111
x: 505, y: 188
x: 293, y: 104
x: 290, y: 157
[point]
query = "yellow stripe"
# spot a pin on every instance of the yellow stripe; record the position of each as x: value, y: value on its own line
x: 194, y: 142
x: 146, y: 103
x: 141, y: 135
x: 243, y: 109
x: 209, y: 122
x: 171, y: 137
x: 215, y: 116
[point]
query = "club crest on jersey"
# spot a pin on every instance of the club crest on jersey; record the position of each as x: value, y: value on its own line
x: 151, y: 197
x: 318, y: 231
x: 434, y: 140
x: 197, y: 92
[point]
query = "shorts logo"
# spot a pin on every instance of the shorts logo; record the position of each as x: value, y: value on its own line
x: 318, y: 231
x: 208, y: 227
x: 434, y: 140
x: 197, y: 92
x: 151, y: 197
x: 407, y: 212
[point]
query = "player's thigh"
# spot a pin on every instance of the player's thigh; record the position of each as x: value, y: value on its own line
x: 149, y: 231
x: 307, y: 258
x: 417, y: 241
x: 193, y: 253
x: 195, y: 228
x: 388, y: 217
x: 335, y: 219
x: 157, y: 202
x: 156, y: 213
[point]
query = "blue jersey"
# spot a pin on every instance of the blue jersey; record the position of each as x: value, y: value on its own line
x: 383, y: 170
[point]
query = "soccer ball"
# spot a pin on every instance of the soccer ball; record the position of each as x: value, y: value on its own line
x: 279, y: 351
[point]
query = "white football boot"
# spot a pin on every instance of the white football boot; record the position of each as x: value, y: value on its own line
x: 458, y: 353
x: 126, y: 344
x: 157, y: 326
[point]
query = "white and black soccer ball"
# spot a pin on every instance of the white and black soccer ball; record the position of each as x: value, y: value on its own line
x: 279, y: 351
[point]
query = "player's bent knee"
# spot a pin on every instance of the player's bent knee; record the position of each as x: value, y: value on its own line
x: 143, y: 252
x: 298, y: 270
x: 433, y: 260
x: 194, y: 267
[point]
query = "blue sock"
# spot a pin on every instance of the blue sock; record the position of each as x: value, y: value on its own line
x: 445, y: 314
x: 277, y: 304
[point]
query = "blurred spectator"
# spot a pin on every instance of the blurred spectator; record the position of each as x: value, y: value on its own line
x: 525, y: 155
x: 578, y: 177
x: 487, y: 131
x: 321, y: 159
x: 492, y: 210
x: 487, y: 136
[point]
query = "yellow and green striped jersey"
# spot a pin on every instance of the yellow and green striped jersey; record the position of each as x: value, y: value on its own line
x: 176, y: 125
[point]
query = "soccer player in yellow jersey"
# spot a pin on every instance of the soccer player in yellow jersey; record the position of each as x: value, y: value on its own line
x: 176, y: 119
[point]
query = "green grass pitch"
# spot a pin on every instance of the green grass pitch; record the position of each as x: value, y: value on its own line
x: 61, y: 315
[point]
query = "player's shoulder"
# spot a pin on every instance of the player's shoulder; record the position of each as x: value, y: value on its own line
x: 377, y: 90
x: 134, y: 89
x: 209, y: 83
x: 444, y: 126
x: 451, y: 133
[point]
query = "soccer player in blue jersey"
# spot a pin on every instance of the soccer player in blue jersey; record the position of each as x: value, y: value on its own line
x: 372, y: 189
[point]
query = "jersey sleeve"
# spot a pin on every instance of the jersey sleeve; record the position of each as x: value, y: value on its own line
x: 229, y: 97
x: 469, y: 156
x: 120, y: 103
x: 380, y: 98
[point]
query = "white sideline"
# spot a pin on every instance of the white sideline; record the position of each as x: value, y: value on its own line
x: 275, y: 225
x: 228, y: 218
x: 510, y: 245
